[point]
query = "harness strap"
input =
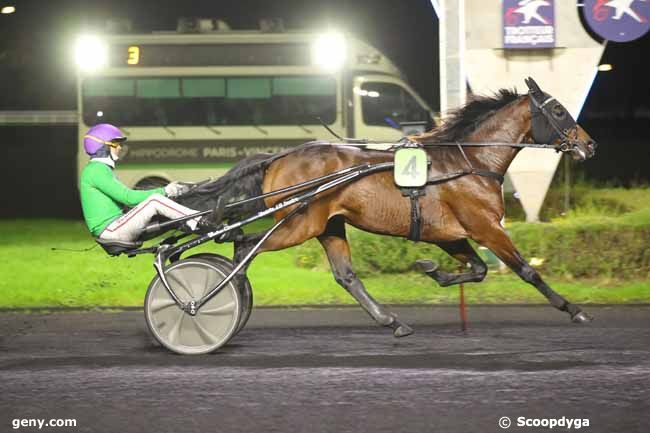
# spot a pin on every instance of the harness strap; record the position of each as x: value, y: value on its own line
x: 476, y: 171
x: 456, y: 174
x: 488, y: 173
x: 415, y: 229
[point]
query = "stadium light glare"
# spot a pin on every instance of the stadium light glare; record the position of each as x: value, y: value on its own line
x: 329, y: 51
x: 91, y: 53
x: 8, y: 10
x: 605, y: 67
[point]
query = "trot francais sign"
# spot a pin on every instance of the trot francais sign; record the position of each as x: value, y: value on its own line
x: 618, y: 20
x: 528, y: 24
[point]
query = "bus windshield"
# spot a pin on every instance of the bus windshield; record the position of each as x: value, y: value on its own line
x: 204, y: 101
x: 389, y: 104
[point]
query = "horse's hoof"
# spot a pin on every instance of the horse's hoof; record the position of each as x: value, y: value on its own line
x: 426, y: 266
x: 581, y: 317
x: 401, y: 329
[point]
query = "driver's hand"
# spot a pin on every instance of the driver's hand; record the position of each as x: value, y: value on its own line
x: 176, y: 189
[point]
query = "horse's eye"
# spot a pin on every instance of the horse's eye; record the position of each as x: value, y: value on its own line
x: 558, y: 111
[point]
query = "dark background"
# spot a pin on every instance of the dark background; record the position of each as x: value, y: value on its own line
x: 38, y: 166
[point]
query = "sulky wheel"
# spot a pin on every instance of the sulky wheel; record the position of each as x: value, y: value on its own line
x: 245, y: 290
x: 214, y: 324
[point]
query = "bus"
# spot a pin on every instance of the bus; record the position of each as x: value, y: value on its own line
x: 192, y: 105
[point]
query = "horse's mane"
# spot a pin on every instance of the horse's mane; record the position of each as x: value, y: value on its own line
x: 464, y: 120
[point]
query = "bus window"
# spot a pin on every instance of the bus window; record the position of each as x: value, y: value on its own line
x: 204, y: 87
x: 248, y: 101
x: 200, y: 101
x: 157, y: 98
x: 386, y: 104
x: 300, y: 100
x: 204, y: 101
x: 107, y: 100
x: 157, y: 88
x: 109, y: 87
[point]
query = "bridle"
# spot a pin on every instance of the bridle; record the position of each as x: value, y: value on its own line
x: 562, y: 126
x: 567, y: 134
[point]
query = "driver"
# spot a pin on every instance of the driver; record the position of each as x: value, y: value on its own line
x: 102, y: 193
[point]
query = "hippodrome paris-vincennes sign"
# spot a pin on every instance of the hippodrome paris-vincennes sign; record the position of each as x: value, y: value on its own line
x: 528, y: 24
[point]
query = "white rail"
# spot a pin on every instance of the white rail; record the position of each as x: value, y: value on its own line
x: 40, y: 117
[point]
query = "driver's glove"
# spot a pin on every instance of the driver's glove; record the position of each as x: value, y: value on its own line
x: 176, y: 189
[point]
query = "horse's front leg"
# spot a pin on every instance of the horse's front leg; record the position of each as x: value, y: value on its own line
x: 496, y: 239
x: 462, y: 251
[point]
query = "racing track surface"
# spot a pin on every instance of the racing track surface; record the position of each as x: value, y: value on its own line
x: 284, y: 374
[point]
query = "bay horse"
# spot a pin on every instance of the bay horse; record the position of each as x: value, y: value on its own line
x: 453, y: 211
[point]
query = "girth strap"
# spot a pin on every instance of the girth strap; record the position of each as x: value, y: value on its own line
x: 415, y: 229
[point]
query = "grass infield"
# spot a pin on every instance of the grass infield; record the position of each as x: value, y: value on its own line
x: 33, y: 275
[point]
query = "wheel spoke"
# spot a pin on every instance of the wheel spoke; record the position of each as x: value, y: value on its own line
x: 222, y: 310
x: 206, y: 335
x: 160, y: 304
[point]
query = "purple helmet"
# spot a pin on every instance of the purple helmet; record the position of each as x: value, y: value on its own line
x: 100, y: 135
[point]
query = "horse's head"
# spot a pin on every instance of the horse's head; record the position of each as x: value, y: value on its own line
x: 552, y: 124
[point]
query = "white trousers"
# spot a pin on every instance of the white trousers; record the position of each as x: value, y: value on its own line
x: 129, y: 226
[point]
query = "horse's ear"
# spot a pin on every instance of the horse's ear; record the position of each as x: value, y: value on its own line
x: 533, y: 86
x: 529, y: 82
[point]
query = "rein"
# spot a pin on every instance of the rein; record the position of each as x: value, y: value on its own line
x: 456, y: 174
x: 364, y: 143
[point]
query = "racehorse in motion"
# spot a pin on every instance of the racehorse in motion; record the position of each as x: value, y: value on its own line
x: 477, y: 142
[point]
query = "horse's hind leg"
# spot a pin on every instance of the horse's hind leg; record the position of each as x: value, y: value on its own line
x: 338, y: 253
x: 243, y: 245
x: 462, y: 251
x: 498, y: 241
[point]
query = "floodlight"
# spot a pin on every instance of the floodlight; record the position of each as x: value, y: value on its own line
x: 8, y: 10
x: 605, y: 67
x: 328, y: 51
x: 91, y: 53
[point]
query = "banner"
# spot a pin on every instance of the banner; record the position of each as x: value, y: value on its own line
x: 528, y: 24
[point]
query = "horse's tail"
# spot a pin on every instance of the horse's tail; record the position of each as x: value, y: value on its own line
x: 242, y: 181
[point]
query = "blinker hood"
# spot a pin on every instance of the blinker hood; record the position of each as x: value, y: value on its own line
x: 550, y: 120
